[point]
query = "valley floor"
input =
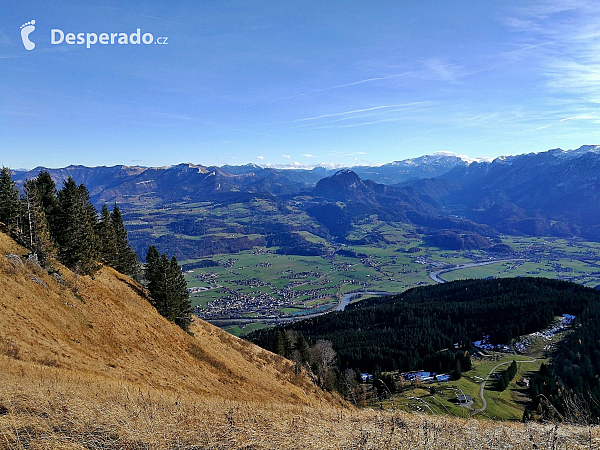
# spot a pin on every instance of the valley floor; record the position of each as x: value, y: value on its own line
x: 259, y: 286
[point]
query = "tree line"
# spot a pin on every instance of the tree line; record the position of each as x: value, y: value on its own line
x: 64, y: 225
x: 506, y: 376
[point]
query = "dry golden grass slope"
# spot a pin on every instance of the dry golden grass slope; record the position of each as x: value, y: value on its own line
x: 101, y: 369
x: 110, y: 332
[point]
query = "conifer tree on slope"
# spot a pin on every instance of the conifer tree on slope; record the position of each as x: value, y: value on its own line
x: 167, y: 288
x: 75, y: 229
x: 35, y: 230
x: 46, y: 190
x: 9, y: 199
x: 181, y: 308
x: 154, y: 274
x: 114, y: 247
x: 106, y: 238
x: 126, y: 260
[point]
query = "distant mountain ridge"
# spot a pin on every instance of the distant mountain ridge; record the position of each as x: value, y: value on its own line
x: 116, y: 183
x: 556, y: 192
x: 426, y: 166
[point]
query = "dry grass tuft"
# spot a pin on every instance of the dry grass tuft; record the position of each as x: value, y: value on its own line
x: 9, y: 348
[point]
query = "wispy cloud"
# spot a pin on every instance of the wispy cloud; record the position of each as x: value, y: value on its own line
x: 362, y: 124
x: 355, y: 111
x: 148, y: 16
x: 568, y: 37
x: 286, y: 156
x: 555, y: 123
x: 532, y: 130
x: 438, y: 69
x: 260, y: 157
x: 152, y: 17
x: 344, y: 85
x: 355, y: 115
x: 582, y: 117
x: 433, y: 69
x: 308, y: 155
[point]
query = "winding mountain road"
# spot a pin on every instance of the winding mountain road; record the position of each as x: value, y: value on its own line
x: 482, y: 388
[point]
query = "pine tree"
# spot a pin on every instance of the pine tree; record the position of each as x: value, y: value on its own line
x: 9, y: 199
x: 46, y: 190
x: 502, y: 383
x: 302, y: 347
x: 466, y: 362
x: 167, y: 288
x: 90, y: 220
x: 179, y: 298
x: 282, y: 345
x: 107, y: 239
x: 278, y: 343
x: 154, y: 273
x: 457, y: 371
x: 75, y: 223
x: 35, y: 229
x: 126, y: 259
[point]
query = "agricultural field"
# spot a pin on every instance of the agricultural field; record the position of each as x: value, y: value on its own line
x: 569, y: 260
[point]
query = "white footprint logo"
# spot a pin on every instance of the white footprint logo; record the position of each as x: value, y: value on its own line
x: 26, y: 30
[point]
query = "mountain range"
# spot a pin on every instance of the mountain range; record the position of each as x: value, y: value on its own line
x: 116, y: 183
x: 556, y: 192
x: 550, y: 193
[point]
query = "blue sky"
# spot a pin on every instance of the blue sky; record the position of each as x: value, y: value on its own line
x: 297, y: 82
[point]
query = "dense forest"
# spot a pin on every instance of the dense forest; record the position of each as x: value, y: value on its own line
x: 409, y: 330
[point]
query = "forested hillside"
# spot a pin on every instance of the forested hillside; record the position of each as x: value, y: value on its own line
x: 432, y: 328
x: 571, y: 383
x: 404, y: 331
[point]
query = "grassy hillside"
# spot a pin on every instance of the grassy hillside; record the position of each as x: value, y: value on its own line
x: 101, y: 369
x: 108, y: 331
